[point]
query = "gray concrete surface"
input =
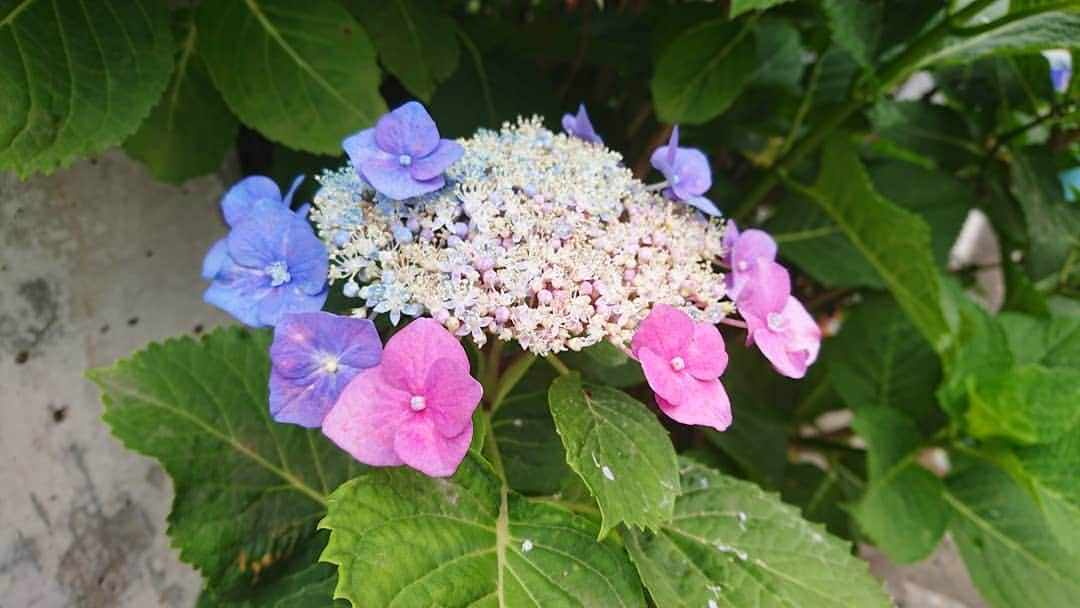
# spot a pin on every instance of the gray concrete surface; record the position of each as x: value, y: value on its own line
x: 95, y: 261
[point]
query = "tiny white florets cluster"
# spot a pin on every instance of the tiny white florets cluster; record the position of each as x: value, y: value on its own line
x: 537, y: 237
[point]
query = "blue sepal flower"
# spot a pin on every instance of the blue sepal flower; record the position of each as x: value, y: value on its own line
x: 270, y: 264
x: 687, y: 173
x: 580, y: 126
x: 1070, y: 182
x: 237, y: 203
x: 313, y: 357
x: 402, y: 156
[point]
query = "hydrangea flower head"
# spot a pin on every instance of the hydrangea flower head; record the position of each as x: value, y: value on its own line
x: 687, y: 173
x: 270, y: 264
x: 682, y: 361
x: 238, y: 202
x: 580, y: 126
x: 414, y: 408
x: 778, y: 323
x: 402, y: 156
x: 313, y: 357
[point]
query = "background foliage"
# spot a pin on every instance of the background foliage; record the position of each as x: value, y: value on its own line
x: 963, y: 420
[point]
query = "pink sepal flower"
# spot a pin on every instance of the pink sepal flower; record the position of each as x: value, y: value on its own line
x: 414, y: 408
x: 778, y: 323
x: 682, y: 361
x: 743, y: 252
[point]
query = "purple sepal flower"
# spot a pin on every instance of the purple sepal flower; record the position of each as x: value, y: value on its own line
x: 402, y: 156
x: 313, y: 357
x: 237, y: 203
x: 580, y: 126
x: 687, y: 173
x: 270, y: 264
x: 1060, y: 61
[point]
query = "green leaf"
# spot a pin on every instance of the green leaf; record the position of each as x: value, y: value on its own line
x: 1053, y: 471
x: 249, y: 491
x: 731, y: 544
x: 415, y: 40
x: 902, y: 510
x: 309, y: 76
x: 190, y: 129
x: 701, y: 72
x: 1020, y: 293
x: 1013, y: 558
x: 400, y: 538
x: 619, y: 449
x: 778, y: 55
x: 856, y: 27
x: 894, y: 241
x: 1019, y: 33
x: 603, y: 363
x: 935, y: 132
x: 300, y: 582
x: 1026, y: 404
x: 739, y: 7
x: 819, y: 494
x: 1053, y: 225
x: 532, y: 454
x: 1053, y: 342
x: 878, y: 358
x: 978, y: 348
x: 75, y: 80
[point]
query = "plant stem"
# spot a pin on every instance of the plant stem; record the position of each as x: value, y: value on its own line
x: 558, y: 365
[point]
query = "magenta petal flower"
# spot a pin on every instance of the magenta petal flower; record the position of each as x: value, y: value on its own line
x: 313, y: 357
x: 403, y: 155
x: 682, y: 361
x: 415, y: 407
x: 687, y: 172
x: 780, y: 326
x: 580, y: 126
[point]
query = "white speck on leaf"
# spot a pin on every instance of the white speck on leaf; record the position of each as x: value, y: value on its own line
x: 608, y: 474
x: 703, y: 482
x: 518, y: 422
x: 713, y: 604
x: 817, y: 537
x: 526, y: 546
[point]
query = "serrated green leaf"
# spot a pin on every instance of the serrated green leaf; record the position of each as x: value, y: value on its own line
x: 778, y: 55
x: 1053, y: 471
x: 1013, y: 558
x: 619, y: 449
x: 1053, y: 342
x: 739, y: 7
x: 249, y: 491
x: 1053, y: 225
x: 701, y: 72
x: 416, y: 41
x: 856, y: 27
x: 978, y: 348
x: 309, y: 75
x: 1027, y: 404
x: 76, y: 79
x: 819, y: 493
x: 878, y: 358
x: 730, y: 544
x: 532, y: 454
x: 894, y: 241
x: 603, y: 363
x: 1031, y: 31
x: 189, y: 131
x: 935, y: 132
x: 903, y: 509
x: 400, y: 538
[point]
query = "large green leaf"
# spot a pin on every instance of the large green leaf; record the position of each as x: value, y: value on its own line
x: 1013, y: 558
x: 1053, y: 472
x: 532, y: 454
x: 732, y: 544
x: 619, y: 449
x: 309, y: 76
x: 778, y: 55
x: 1053, y: 342
x: 400, y: 538
x: 1026, y: 404
x: 856, y: 27
x: 77, y: 78
x: 739, y: 7
x: 1017, y: 34
x: 894, y: 241
x: 415, y: 40
x: 978, y: 348
x: 932, y: 131
x: 191, y: 128
x: 1053, y: 225
x: 701, y: 72
x: 878, y: 358
x: 902, y: 510
x: 249, y: 491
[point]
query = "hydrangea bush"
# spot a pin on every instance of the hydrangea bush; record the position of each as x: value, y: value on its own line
x: 597, y: 304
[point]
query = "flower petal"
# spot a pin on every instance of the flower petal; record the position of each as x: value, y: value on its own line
x: 408, y: 129
x: 257, y: 241
x: 366, y: 418
x: 706, y: 357
x: 445, y: 154
x: 674, y: 386
x: 710, y: 406
x: 666, y: 330
x: 283, y: 300
x: 392, y: 180
x: 751, y: 245
x: 421, y: 446
x: 215, y: 258
x: 237, y: 203
x: 299, y: 179
x: 361, y: 146
x: 704, y: 205
x: 693, y: 172
x: 238, y: 290
x: 303, y: 401
x: 451, y: 396
x: 409, y: 354
x: 306, y: 257
x: 766, y: 290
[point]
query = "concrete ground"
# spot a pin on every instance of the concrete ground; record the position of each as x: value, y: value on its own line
x: 95, y: 261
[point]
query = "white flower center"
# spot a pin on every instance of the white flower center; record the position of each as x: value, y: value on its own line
x: 775, y: 321
x: 742, y: 265
x: 678, y: 364
x: 278, y: 273
x: 417, y: 403
x: 404, y: 160
x: 330, y: 363
x: 675, y: 179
